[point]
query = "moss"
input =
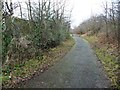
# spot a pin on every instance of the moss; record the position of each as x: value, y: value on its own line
x: 109, y: 61
x: 110, y: 65
x: 91, y: 39
x: 4, y: 78
x: 31, y: 66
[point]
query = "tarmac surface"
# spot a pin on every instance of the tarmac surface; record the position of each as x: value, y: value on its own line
x: 80, y: 68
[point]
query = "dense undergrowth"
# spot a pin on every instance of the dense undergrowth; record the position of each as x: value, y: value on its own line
x: 27, y: 39
x: 11, y: 77
x: 45, y: 27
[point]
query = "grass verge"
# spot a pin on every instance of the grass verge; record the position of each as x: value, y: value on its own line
x: 108, y: 61
x: 23, y: 72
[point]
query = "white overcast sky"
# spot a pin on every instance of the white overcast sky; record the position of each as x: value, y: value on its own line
x: 82, y: 9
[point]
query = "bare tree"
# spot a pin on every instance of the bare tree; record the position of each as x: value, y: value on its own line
x: 106, y: 8
x: 21, y: 13
x: 6, y: 27
x: 118, y: 37
x: 119, y: 27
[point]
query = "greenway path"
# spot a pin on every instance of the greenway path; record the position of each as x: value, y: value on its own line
x: 80, y: 68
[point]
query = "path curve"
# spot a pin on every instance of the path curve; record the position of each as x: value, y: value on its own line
x: 78, y: 69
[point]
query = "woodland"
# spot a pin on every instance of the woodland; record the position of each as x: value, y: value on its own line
x: 46, y: 25
x: 28, y: 40
x: 103, y: 32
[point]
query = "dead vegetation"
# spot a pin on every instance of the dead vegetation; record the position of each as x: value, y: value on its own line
x: 13, y: 77
x: 103, y: 32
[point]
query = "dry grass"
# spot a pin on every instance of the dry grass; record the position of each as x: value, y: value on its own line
x: 107, y: 54
x: 26, y: 71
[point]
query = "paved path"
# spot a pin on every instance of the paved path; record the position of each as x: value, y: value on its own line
x: 78, y: 69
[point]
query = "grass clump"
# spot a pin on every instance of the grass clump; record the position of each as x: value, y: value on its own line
x: 11, y: 76
x: 110, y: 64
x: 108, y: 61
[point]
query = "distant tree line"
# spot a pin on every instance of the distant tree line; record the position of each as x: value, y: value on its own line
x: 107, y: 26
x: 107, y: 23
